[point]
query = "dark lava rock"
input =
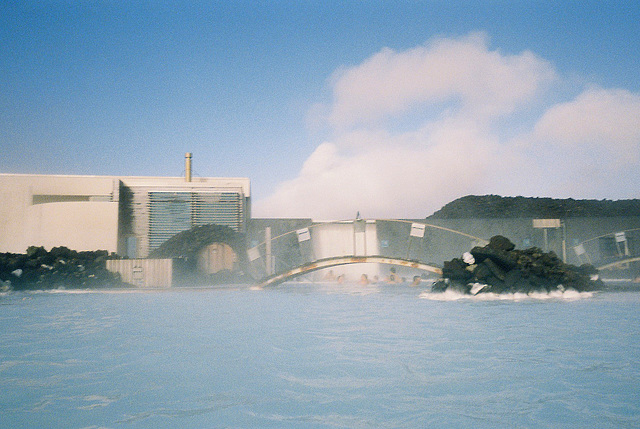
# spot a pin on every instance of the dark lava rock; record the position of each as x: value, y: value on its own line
x: 506, y: 260
x: 60, y: 267
x: 499, y: 242
x: 503, y: 269
x: 456, y: 270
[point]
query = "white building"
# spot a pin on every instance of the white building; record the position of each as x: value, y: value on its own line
x: 127, y: 215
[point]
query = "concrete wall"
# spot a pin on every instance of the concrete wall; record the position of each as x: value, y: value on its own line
x: 79, y: 212
x: 257, y: 226
x: 342, y: 239
x: 522, y: 233
x: 76, y: 225
x: 92, y: 212
x: 439, y: 245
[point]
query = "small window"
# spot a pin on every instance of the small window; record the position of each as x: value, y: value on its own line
x: 44, y: 199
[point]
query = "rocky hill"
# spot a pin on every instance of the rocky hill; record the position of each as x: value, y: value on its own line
x: 495, y: 206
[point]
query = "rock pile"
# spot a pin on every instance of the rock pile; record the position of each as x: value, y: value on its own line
x: 60, y: 267
x: 499, y: 268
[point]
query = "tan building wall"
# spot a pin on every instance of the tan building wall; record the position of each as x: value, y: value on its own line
x: 79, y: 212
x: 102, y: 212
x: 76, y: 225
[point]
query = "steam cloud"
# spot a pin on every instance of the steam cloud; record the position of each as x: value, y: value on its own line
x: 416, y: 129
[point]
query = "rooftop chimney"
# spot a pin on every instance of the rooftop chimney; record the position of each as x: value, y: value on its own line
x: 187, y: 167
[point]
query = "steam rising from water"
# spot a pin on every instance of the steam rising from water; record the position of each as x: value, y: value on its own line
x: 412, y: 130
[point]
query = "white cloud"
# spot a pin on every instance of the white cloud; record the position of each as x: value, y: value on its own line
x: 390, y: 176
x: 485, y: 82
x: 597, y: 119
x: 370, y: 168
x: 588, y: 147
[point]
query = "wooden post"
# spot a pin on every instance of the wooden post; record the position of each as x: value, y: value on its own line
x: 267, y: 244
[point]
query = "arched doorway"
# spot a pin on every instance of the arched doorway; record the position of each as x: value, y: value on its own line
x: 216, y: 257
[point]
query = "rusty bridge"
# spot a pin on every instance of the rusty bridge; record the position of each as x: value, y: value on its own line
x: 413, y: 246
x: 323, y: 245
x: 613, y: 251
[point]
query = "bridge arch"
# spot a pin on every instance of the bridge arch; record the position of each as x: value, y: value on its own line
x: 320, y: 245
x: 619, y: 255
x: 621, y: 264
x: 344, y: 260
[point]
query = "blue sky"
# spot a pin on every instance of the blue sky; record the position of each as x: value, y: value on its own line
x: 387, y: 108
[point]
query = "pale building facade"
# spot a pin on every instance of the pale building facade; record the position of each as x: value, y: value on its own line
x: 128, y: 215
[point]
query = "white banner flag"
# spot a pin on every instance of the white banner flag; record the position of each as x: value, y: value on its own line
x: 303, y: 235
x: 417, y: 230
x: 253, y: 253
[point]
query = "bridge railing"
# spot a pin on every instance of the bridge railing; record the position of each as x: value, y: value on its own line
x: 609, y: 249
x: 400, y: 239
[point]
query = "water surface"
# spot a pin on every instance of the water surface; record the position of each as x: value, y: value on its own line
x: 316, y: 356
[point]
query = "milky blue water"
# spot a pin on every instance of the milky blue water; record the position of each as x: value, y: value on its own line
x: 317, y: 356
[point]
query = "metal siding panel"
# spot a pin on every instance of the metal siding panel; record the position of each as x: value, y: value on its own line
x: 173, y: 212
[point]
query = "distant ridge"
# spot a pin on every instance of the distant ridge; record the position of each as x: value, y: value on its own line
x: 495, y: 206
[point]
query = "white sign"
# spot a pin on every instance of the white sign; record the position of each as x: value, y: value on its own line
x: 417, y: 230
x: 579, y: 249
x: 620, y: 237
x: 546, y: 223
x: 303, y: 235
x: 253, y: 253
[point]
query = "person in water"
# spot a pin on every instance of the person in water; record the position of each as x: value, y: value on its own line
x: 393, y: 277
x: 330, y: 276
x: 364, y: 280
x: 416, y: 281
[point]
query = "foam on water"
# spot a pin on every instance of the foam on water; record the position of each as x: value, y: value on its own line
x: 449, y: 295
x: 348, y: 288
